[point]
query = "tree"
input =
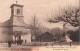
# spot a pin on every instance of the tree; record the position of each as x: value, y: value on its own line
x: 35, y: 27
x: 74, y: 34
x: 57, y: 32
x: 68, y: 17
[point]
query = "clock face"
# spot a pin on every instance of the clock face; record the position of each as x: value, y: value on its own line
x: 19, y: 19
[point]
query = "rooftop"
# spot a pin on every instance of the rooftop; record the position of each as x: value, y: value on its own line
x: 16, y: 5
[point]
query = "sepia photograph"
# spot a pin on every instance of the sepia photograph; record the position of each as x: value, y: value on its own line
x: 39, y: 25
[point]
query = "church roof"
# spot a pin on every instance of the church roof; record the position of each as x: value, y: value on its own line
x: 5, y: 24
x: 9, y: 23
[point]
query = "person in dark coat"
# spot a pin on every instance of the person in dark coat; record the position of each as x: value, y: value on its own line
x: 25, y: 42
x: 70, y: 44
x: 9, y: 43
x: 19, y: 42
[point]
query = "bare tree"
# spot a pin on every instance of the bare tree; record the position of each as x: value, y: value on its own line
x: 68, y: 16
x: 35, y: 27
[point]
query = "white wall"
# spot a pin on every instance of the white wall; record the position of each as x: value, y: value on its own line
x: 26, y: 37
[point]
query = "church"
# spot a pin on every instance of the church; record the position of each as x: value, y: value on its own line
x: 15, y: 28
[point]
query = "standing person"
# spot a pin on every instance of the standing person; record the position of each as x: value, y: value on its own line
x: 20, y: 41
x: 70, y: 44
x: 25, y: 42
x: 9, y: 43
x: 17, y: 42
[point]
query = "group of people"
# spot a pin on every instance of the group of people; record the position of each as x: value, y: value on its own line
x: 18, y: 42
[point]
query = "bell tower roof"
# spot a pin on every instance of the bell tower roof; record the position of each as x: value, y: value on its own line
x: 16, y: 5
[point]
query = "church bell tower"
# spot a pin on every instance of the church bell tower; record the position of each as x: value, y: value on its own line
x: 17, y: 14
x: 17, y: 19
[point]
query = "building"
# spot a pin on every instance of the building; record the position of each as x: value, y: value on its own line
x: 15, y: 28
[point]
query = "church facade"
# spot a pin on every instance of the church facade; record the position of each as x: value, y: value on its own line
x: 15, y: 28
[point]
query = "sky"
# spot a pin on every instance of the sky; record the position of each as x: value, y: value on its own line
x: 41, y: 8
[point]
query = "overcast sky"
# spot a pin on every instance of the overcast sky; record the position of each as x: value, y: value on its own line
x: 41, y: 8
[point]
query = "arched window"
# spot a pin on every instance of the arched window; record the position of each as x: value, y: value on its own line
x: 18, y: 11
